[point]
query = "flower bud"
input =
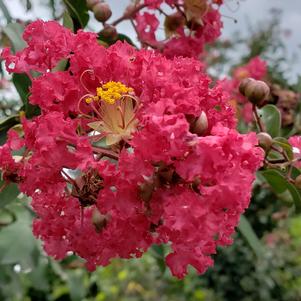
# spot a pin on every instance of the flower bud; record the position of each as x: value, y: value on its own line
x: 298, y: 182
x: 172, y: 23
x: 102, y: 12
x: 264, y: 140
x: 243, y: 84
x: 99, y: 220
x: 256, y: 91
x: 201, y: 124
x: 109, y: 32
x: 92, y: 3
x: 129, y: 11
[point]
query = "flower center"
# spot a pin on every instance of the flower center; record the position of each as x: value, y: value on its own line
x: 114, y: 109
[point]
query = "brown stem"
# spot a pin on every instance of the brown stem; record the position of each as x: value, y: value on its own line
x: 106, y: 152
x: 257, y: 118
x: 128, y: 16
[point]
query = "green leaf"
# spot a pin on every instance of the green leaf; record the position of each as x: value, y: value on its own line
x: 17, y: 244
x: 78, y: 11
x: 109, y: 41
x: 14, y: 32
x: 5, y: 11
x: 158, y: 252
x: 22, y: 83
x: 67, y: 21
x: 249, y: 234
x: 280, y: 185
x: 76, y: 285
x: 284, y: 144
x: 8, y: 194
x: 123, y: 37
x: 271, y: 118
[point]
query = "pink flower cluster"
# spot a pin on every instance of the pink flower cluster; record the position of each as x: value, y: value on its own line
x: 190, y: 25
x: 256, y: 68
x: 131, y: 149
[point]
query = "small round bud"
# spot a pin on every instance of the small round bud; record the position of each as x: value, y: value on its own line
x: 201, y: 124
x: 243, y: 84
x: 256, y: 91
x: 102, y: 12
x: 298, y: 182
x: 129, y: 11
x: 264, y: 140
x: 109, y: 32
x: 99, y: 220
x: 92, y: 3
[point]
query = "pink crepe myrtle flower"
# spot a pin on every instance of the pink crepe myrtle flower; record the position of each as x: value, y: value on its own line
x: 131, y: 149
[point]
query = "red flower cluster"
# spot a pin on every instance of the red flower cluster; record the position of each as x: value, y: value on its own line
x: 191, y: 25
x: 131, y: 149
x: 256, y: 68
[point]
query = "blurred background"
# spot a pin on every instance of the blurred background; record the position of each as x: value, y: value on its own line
x: 264, y: 263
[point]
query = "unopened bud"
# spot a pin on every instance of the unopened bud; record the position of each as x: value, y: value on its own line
x: 201, y: 124
x: 102, y: 12
x: 243, y: 84
x: 298, y: 182
x: 173, y: 22
x: 99, y: 220
x: 129, y: 11
x: 92, y: 3
x: 256, y: 91
x: 109, y: 32
x: 264, y: 140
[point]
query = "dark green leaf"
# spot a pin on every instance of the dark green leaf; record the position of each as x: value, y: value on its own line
x: 280, y: 185
x: 22, y: 84
x: 123, y: 37
x: 271, y: 118
x: 8, y: 194
x: 14, y: 32
x: 247, y: 231
x: 120, y: 37
x: 78, y: 11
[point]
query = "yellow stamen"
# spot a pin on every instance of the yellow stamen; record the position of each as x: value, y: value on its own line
x: 111, y: 91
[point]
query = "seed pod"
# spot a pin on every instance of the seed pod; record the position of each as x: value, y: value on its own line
x: 256, y: 91
x: 102, y: 12
x: 243, y: 85
x: 264, y: 140
x: 109, y: 32
x: 92, y: 3
x: 201, y: 125
x: 298, y: 182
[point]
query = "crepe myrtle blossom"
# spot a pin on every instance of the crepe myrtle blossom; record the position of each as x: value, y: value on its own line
x: 131, y: 149
x: 188, y: 25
